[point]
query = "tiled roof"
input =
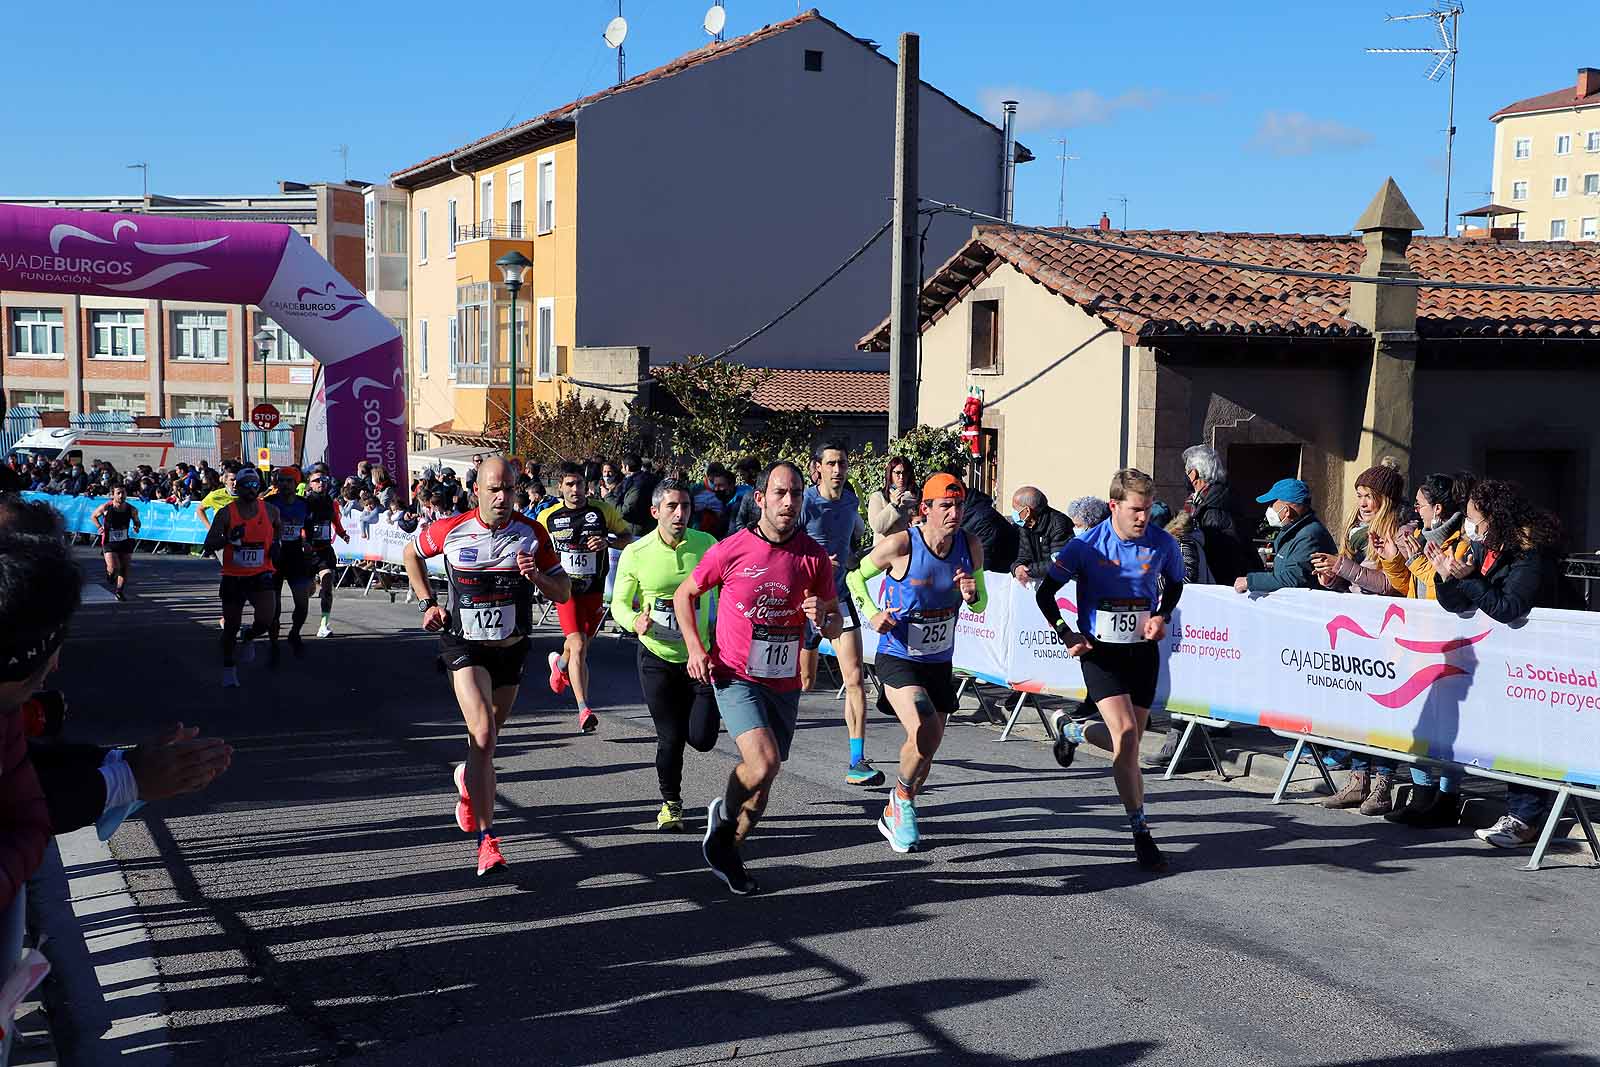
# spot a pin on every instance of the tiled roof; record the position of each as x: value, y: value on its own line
x: 826, y: 392
x: 561, y: 118
x: 1567, y: 96
x: 1148, y: 298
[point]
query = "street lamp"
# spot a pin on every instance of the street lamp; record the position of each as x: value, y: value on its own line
x: 513, y: 269
x: 265, y: 343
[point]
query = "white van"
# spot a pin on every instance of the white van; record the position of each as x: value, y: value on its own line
x: 123, y: 449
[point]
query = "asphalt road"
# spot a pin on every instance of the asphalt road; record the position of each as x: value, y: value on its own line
x: 317, y: 904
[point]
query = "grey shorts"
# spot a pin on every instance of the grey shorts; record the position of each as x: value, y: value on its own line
x: 748, y: 706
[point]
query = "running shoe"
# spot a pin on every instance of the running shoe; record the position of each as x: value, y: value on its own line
x: 230, y: 677
x: 489, y: 856
x: 324, y: 630
x: 670, y: 817
x: 588, y: 721
x: 1146, y: 852
x: 558, y: 677
x: 722, y: 854
x: 465, y: 819
x: 898, y: 824
x: 1508, y: 832
x: 247, y: 651
x: 119, y: 594
x: 863, y: 774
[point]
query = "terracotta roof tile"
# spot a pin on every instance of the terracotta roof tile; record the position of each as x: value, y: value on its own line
x: 1150, y: 298
x: 826, y: 392
x: 1567, y: 96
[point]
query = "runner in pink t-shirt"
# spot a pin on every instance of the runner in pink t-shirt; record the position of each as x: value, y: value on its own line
x: 773, y: 578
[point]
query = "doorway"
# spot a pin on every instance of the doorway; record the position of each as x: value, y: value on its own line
x: 1252, y: 470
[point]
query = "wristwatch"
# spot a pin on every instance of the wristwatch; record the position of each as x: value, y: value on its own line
x: 425, y: 604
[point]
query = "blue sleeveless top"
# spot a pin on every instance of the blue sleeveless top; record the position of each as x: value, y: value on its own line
x: 926, y: 602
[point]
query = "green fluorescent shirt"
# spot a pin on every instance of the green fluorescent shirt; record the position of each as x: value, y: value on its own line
x: 647, y: 576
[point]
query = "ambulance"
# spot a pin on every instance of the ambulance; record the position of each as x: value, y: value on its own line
x: 123, y: 449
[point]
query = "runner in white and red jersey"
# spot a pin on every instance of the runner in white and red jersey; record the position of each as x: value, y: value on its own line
x: 493, y: 559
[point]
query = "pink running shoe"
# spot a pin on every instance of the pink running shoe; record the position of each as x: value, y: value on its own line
x: 489, y: 856
x: 588, y: 721
x: 558, y: 677
x: 465, y: 819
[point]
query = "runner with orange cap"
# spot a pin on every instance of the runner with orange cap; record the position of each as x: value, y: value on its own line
x: 930, y: 571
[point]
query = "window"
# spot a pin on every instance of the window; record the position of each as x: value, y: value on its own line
x: 813, y: 59
x: 1589, y: 229
x: 293, y: 412
x: 984, y: 351
x: 200, y: 335
x: 43, y: 399
x: 514, y: 201
x: 450, y: 221
x: 118, y: 403
x: 202, y: 407
x: 486, y: 201
x: 422, y: 235
x: 393, y: 213
x: 1558, y: 229
x: 473, y: 315
x: 1560, y: 188
x: 285, y: 350
x: 39, y: 333
x: 1591, y: 143
x: 422, y: 348
x: 547, y: 339
x: 1524, y: 148
x: 1522, y: 231
x: 118, y: 334
x: 1563, y: 144
x: 1591, y: 185
x: 1519, y: 190
x: 547, y: 193
x: 455, y: 348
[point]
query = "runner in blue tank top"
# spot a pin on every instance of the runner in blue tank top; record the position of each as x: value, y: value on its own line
x: 932, y: 569
x: 1130, y: 574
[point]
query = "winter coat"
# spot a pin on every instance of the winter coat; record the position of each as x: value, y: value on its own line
x: 994, y: 531
x: 887, y: 517
x: 1038, y: 543
x: 1291, y: 561
x: 1227, y: 553
x: 1506, y: 593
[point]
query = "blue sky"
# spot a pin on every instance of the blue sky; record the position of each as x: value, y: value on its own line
x: 1238, y: 115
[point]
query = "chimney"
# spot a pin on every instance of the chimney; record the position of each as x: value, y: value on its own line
x: 1104, y: 223
x: 1588, y: 81
x: 1008, y: 159
x: 1386, y: 228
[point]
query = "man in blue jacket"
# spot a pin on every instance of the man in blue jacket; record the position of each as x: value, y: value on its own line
x: 1300, y: 533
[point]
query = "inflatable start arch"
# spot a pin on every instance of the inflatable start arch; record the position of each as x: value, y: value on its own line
x: 53, y: 250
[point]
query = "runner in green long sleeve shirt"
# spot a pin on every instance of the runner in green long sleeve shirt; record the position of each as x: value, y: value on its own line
x: 649, y: 572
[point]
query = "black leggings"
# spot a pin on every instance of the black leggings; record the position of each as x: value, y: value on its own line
x: 683, y: 709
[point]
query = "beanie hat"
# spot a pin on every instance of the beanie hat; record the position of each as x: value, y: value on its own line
x: 1384, y: 480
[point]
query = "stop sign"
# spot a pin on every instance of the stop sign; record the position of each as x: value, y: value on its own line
x: 264, y: 416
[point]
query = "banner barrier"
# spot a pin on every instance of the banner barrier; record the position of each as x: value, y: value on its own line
x: 380, y: 541
x: 158, y: 520
x: 1403, y: 675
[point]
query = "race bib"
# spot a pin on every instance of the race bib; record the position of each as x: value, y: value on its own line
x: 322, y: 531
x: 774, y: 652
x: 664, y: 621
x: 249, y: 557
x: 116, y: 535
x: 931, y: 635
x: 1121, y: 622
x: 291, y: 533
x: 488, y: 624
x: 580, y: 564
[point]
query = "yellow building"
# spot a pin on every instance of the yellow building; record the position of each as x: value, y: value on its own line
x: 1547, y: 161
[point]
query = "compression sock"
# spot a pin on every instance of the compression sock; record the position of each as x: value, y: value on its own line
x: 1137, y: 820
x: 561, y: 662
x: 858, y: 750
x: 1072, y: 733
x: 904, y: 789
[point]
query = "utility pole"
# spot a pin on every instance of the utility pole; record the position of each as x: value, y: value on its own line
x: 145, y: 167
x: 906, y: 271
x: 1122, y: 198
x: 1061, y: 195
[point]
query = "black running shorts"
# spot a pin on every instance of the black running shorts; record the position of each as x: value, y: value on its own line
x: 503, y: 662
x: 938, y: 679
x: 1123, y: 670
x: 238, y: 588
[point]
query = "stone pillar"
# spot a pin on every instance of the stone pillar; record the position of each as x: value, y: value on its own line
x: 1389, y: 313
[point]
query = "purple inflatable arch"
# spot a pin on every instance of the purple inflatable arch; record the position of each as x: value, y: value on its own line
x: 51, y: 250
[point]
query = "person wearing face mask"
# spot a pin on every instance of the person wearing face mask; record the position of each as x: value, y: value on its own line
x: 1300, y: 533
x: 245, y: 532
x: 1228, y: 555
x: 1511, y: 560
x: 1044, y: 532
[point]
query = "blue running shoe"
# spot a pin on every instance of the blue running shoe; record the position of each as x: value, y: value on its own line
x: 863, y: 773
x: 898, y: 824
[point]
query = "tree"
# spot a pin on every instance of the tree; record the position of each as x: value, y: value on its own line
x: 719, y: 423
x: 573, y: 429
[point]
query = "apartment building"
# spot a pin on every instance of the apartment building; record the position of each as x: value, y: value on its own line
x: 1547, y: 161
x: 677, y: 211
x: 169, y: 357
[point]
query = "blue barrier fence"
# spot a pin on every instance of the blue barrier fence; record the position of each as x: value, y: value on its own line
x: 158, y: 520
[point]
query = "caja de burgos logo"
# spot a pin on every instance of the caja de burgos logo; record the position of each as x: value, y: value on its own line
x: 116, y: 263
x: 1376, y: 671
x: 330, y: 305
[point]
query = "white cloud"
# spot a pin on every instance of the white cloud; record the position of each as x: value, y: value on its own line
x: 1294, y: 133
x: 1040, y: 109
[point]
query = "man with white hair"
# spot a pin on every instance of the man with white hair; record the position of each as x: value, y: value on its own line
x: 1211, y: 504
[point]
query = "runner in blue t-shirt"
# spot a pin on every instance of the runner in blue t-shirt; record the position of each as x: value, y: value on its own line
x: 1130, y: 575
x: 831, y: 514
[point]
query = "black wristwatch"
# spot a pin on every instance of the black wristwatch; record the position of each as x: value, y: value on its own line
x: 426, y: 603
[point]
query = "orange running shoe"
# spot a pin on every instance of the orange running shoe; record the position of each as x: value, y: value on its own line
x: 489, y: 856
x: 465, y: 819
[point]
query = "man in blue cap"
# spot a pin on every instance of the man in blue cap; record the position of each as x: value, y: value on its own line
x: 1300, y: 533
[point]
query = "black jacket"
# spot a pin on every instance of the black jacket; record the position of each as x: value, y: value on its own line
x: 635, y: 502
x: 1038, y: 544
x: 1227, y: 554
x: 1507, y: 593
x: 74, y: 788
x: 994, y: 531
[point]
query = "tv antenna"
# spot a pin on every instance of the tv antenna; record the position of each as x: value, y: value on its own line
x: 1447, y: 21
x: 343, y: 152
x: 1061, y: 197
x: 1122, y: 198
x: 145, y: 167
x: 716, y: 19
x: 616, y: 33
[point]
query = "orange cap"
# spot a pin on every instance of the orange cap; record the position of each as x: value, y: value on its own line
x: 943, y: 487
x: 293, y: 472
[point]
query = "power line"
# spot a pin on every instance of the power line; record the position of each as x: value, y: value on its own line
x: 1259, y: 268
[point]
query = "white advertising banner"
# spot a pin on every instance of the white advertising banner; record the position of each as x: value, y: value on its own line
x: 378, y: 542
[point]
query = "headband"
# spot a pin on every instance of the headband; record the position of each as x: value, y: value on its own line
x: 22, y: 660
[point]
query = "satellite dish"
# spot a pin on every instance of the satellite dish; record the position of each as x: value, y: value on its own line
x: 716, y: 19
x: 616, y: 32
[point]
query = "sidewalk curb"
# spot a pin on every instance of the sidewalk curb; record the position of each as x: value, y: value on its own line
x: 104, y: 995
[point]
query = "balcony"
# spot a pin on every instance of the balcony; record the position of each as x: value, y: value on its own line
x: 489, y: 230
